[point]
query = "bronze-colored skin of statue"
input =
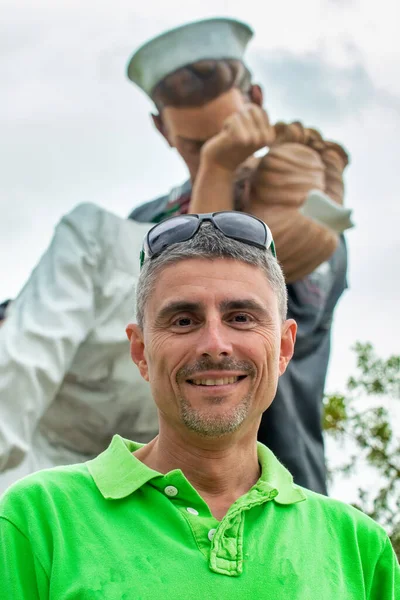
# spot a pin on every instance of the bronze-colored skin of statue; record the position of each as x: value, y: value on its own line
x: 299, y: 160
x: 217, y: 140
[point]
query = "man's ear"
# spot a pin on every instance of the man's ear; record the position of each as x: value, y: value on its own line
x: 135, y: 337
x: 256, y: 94
x: 159, y: 125
x: 288, y: 338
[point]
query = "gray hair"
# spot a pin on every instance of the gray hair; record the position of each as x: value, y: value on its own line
x: 210, y: 243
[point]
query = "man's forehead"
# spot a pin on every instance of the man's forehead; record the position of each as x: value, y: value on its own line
x: 203, y: 122
x: 203, y: 281
x: 200, y: 304
x: 220, y: 269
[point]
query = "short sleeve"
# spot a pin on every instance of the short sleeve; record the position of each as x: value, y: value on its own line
x: 22, y: 576
x: 386, y: 577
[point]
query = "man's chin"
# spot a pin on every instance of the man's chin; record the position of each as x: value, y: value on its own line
x: 212, y: 430
x: 214, y: 425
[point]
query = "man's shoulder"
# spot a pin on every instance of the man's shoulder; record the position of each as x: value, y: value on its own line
x: 93, y: 227
x: 89, y: 216
x: 83, y: 224
x: 343, y: 518
x: 43, y: 492
x: 146, y: 212
x: 162, y: 207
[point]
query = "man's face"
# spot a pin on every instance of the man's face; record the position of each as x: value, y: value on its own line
x: 187, y: 129
x: 213, y: 346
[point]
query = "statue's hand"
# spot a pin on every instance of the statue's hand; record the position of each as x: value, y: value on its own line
x: 334, y: 157
x: 241, y: 136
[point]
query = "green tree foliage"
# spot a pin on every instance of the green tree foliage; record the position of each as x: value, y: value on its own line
x: 365, y: 420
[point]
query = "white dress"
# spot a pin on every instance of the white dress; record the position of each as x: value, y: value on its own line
x: 67, y: 382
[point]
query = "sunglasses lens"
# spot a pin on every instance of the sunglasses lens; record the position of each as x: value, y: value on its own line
x: 171, y: 231
x: 242, y: 226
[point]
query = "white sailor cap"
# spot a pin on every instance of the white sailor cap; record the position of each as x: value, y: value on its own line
x: 213, y: 39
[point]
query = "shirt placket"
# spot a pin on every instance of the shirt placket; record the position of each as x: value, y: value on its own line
x: 192, y: 508
x: 221, y: 542
x: 226, y: 556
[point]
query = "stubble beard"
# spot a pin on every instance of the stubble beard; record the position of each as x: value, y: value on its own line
x: 207, y: 424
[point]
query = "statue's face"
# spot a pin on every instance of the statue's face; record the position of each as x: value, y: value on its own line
x: 187, y: 129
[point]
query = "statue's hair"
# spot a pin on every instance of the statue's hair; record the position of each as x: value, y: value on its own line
x: 197, y: 83
x: 211, y: 244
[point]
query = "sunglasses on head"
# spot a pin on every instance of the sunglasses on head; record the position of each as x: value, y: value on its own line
x: 234, y: 225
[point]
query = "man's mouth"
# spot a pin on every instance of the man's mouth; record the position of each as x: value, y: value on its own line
x: 218, y: 381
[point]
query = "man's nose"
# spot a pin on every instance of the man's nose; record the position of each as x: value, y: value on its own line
x: 214, y: 341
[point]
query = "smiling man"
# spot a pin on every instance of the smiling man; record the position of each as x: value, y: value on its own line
x: 203, y: 510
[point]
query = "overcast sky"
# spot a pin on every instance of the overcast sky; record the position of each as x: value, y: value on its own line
x: 73, y: 129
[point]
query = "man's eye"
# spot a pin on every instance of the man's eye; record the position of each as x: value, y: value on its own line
x: 194, y: 146
x: 183, y: 322
x: 242, y: 318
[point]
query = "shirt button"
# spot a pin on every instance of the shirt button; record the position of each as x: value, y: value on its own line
x: 192, y: 511
x: 171, y: 491
x: 211, y: 534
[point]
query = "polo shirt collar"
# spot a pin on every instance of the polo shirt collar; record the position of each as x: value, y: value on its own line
x: 274, y: 476
x: 117, y: 473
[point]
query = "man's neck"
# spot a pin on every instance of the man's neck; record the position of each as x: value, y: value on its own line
x: 220, y: 471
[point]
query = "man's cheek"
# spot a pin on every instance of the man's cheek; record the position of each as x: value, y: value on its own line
x: 160, y: 372
x: 192, y: 161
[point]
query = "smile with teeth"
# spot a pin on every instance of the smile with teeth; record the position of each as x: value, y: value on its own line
x: 220, y: 381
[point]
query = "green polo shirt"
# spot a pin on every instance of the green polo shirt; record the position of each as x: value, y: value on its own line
x: 114, y: 529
